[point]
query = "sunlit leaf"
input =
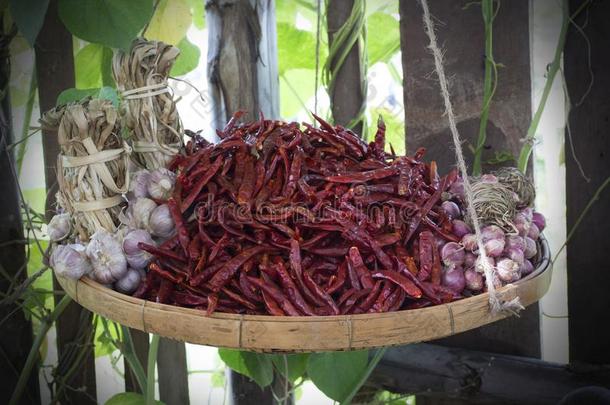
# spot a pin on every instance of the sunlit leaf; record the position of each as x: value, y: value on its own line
x: 129, y: 398
x: 291, y: 365
x: 114, y: 23
x: 383, y: 37
x: 198, y: 12
x: 170, y: 22
x: 73, y: 95
x: 256, y: 366
x: 29, y: 16
x: 188, y: 59
x: 297, y: 48
x: 93, y: 66
x: 337, y: 373
x: 296, y: 87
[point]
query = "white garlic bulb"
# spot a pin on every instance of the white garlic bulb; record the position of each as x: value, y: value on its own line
x: 161, y: 184
x: 107, y: 258
x: 161, y: 223
x: 139, y: 183
x: 59, y: 227
x: 70, y: 261
x: 140, y: 212
x: 136, y: 257
x: 129, y: 282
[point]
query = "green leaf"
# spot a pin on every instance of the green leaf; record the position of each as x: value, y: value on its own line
x: 73, y: 95
x: 198, y: 13
x: 93, y: 66
x: 188, y: 59
x: 383, y: 37
x: 256, y: 366
x: 297, y: 363
x: 129, y: 398
x: 217, y: 379
x: 395, y: 129
x: 296, y: 87
x: 297, y: 48
x: 170, y: 22
x: 114, y: 23
x: 29, y: 16
x: 336, y: 373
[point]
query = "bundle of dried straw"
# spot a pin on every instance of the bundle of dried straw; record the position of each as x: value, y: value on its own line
x: 92, y: 170
x: 148, y: 110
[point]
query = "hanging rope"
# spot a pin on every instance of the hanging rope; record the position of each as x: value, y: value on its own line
x: 496, y: 304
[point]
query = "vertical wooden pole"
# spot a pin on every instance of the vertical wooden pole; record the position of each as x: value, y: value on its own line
x: 15, y: 343
x: 588, y: 267
x: 346, y: 96
x: 55, y: 73
x: 242, y: 72
x: 140, y: 344
x: 462, y: 34
x: 173, y: 373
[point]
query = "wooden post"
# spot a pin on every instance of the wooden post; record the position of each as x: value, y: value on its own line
x: 140, y: 344
x: 346, y: 97
x: 588, y: 267
x: 173, y: 373
x: 462, y: 35
x: 16, y: 342
x: 55, y: 73
x: 242, y: 72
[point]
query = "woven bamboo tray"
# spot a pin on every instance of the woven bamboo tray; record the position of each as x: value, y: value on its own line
x: 309, y: 333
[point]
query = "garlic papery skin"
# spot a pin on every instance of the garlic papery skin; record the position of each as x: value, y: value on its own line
x: 139, y: 183
x: 106, y: 255
x: 136, y: 257
x: 140, y: 212
x: 161, y: 223
x: 59, y: 227
x: 161, y: 184
x: 70, y: 261
x: 129, y: 282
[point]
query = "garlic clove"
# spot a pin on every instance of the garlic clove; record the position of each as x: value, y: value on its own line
x: 129, y: 282
x: 139, y: 183
x: 106, y: 255
x: 161, y: 223
x: 59, y: 227
x: 137, y: 258
x: 70, y: 261
x: 140, y: 212
x: 161, y: 184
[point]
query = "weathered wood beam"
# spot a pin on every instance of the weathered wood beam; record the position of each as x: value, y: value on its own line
x: 474, y: 377
x: 55, y: 73
x: 588, y: 267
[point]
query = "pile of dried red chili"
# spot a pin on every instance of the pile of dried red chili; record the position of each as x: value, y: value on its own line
x: 281, y: 219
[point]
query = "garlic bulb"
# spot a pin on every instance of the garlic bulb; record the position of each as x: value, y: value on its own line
x: 129, y: 282
x: 107, y: 258
x: 59, y: 227
x: 508, y: 270
x: 70, y: 261
x: 140, y: 212
x: 136, y: 257
x: 161, y: 184
x: 139, y: 183
x: 161, y: 223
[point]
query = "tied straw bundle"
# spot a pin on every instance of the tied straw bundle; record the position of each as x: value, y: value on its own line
x: 92, y: 170
x: 148, y: 110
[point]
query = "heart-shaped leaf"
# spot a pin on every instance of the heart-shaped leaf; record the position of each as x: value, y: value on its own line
x: 337, y: 373
x: 114, y: 23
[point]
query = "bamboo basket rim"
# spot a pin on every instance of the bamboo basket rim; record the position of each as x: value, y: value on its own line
x: 307, y: 333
